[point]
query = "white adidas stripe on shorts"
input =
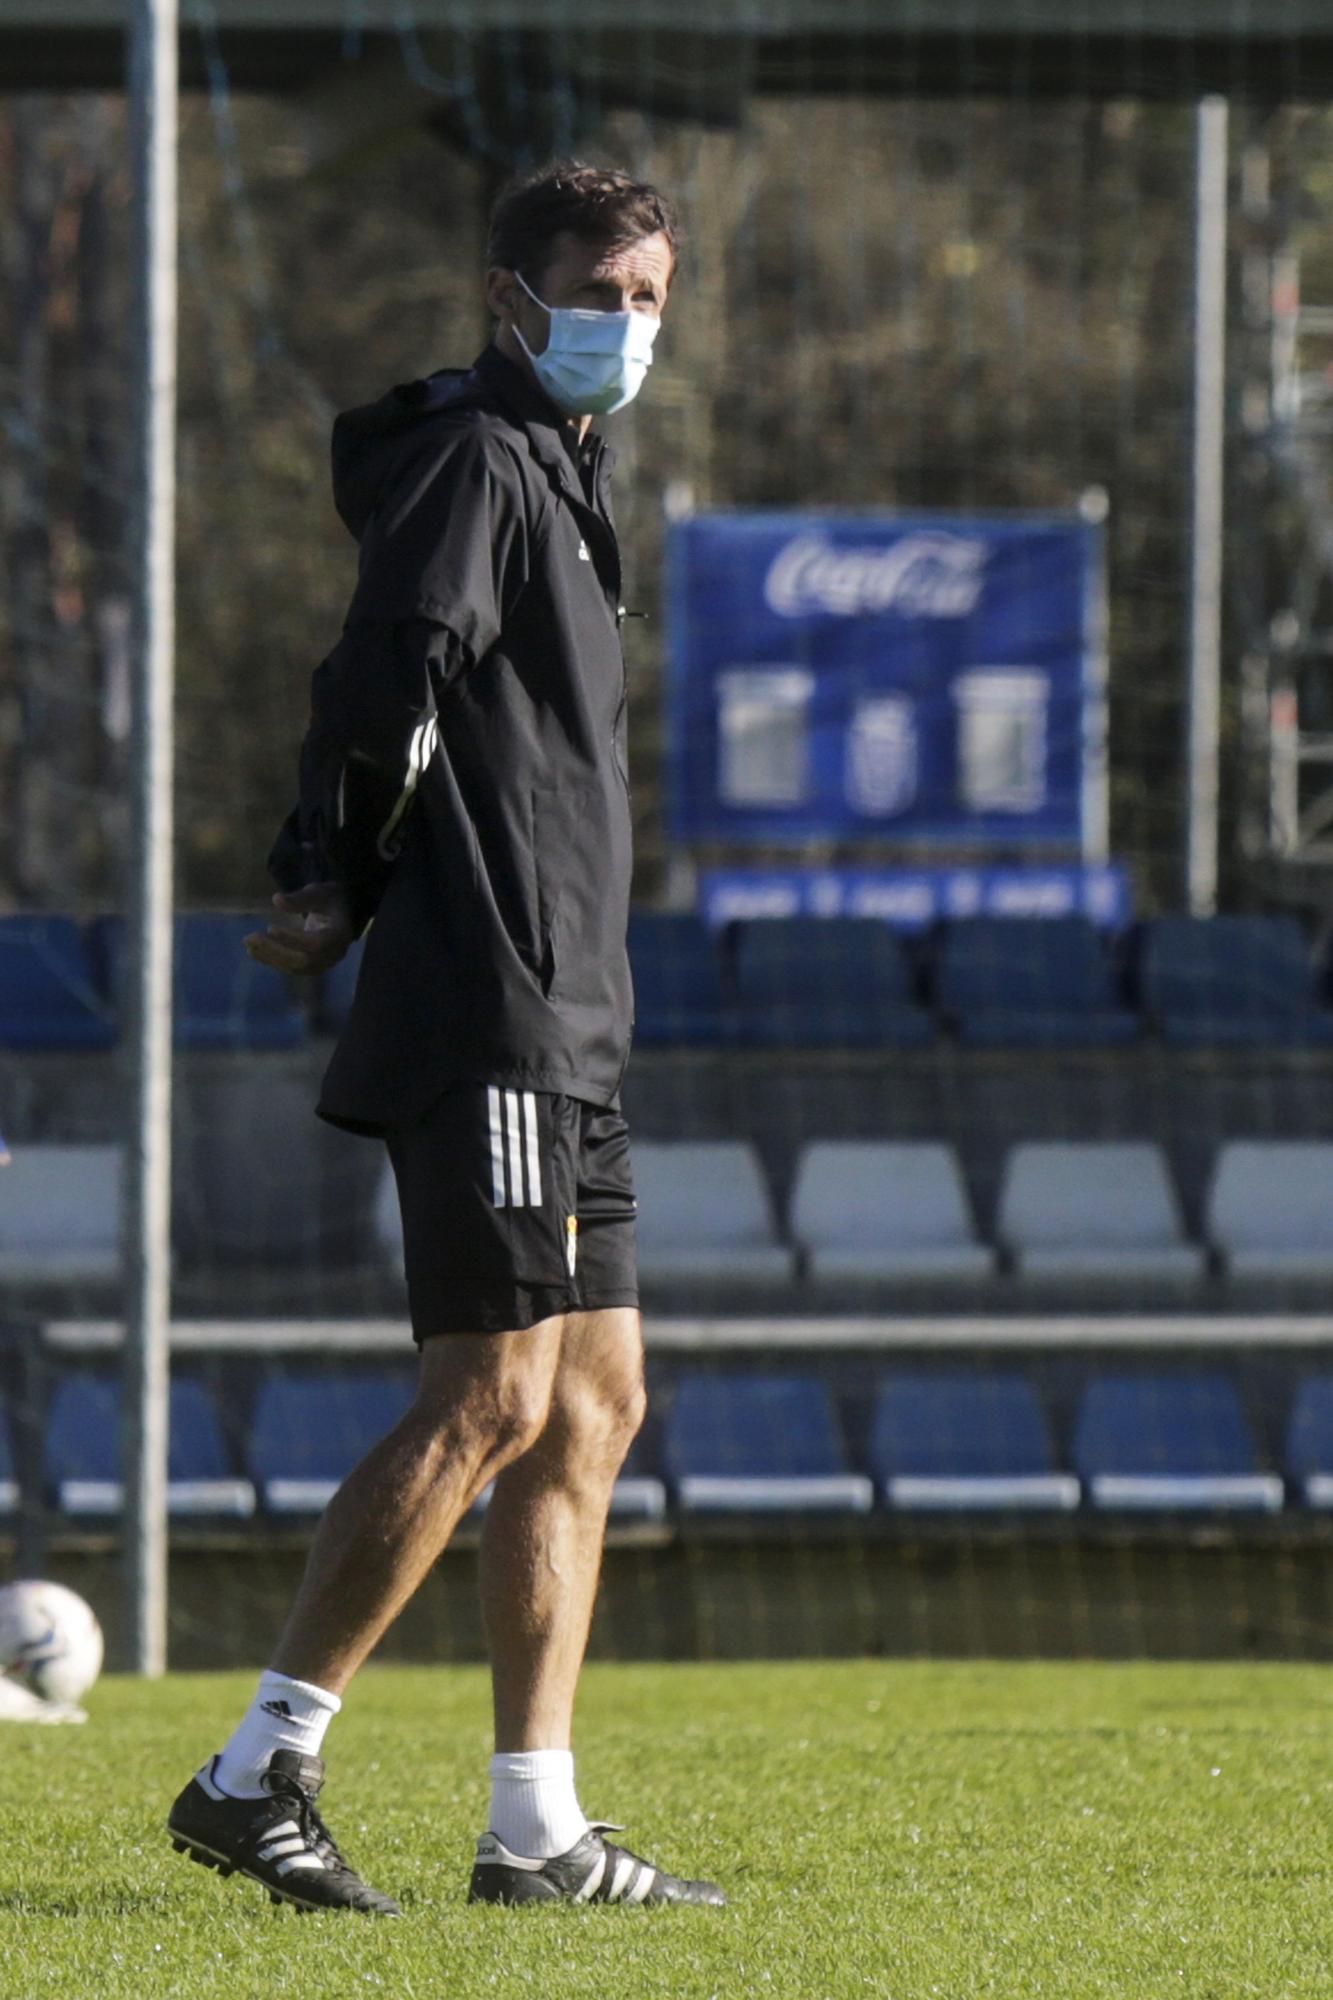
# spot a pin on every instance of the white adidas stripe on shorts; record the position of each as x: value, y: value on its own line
x: 516, y: 1169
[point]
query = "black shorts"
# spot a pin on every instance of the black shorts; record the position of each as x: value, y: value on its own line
x: 517, y: 1205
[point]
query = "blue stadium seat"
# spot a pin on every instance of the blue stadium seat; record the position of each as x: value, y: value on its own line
x: 705, y: 1215
x: 1030, y: 982
x: 678, y: 995
x: 1270, y: 1211
x: 222, y: 999
x: 1100, y: 1214
x: 957, y: 1441
x: 1308, y: 1447
x: 61, y: 1225
x: 82, y: 1454
x: 81, y: 1447
x: 887, y: 1211
x: 1231, y: 982
x: 309, y: 1430
x: 745, y: 1444
x: 827, y: 982
x: 1167, y: 1442
x: 9, y: 1486
x: 50, y: 996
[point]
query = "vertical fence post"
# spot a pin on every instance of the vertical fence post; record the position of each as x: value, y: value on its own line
x: 153, y: 58
x: 1205, y: 628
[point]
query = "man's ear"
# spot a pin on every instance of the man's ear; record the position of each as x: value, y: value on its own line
x: 502, y: 292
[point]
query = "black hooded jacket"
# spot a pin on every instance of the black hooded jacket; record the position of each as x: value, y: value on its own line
x: 464, y: 772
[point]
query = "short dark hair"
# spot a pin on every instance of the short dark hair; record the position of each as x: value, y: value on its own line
x: 599, y: 205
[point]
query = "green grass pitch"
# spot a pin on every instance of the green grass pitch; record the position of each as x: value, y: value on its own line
x: 910, y: 1831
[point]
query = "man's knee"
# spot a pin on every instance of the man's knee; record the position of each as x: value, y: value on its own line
x: 489, y: 1395
x: 598, y: 1402
x: 601, y: 1416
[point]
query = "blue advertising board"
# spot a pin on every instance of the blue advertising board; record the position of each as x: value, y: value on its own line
x: 907, y: 678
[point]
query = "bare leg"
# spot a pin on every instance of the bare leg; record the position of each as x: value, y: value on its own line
x: 542, y: 1544
x: 482, y: 1399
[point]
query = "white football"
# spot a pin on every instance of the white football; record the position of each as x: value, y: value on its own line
x: 50, y: 1640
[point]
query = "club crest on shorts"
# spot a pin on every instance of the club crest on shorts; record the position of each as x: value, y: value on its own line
x: 571, y: 1242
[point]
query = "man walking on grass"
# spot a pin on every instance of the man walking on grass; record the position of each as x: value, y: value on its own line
x: 464, y: 784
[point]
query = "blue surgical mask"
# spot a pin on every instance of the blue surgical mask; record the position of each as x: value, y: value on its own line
x: 593, y: 362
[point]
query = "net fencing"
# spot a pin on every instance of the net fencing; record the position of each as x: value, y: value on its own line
x: 984, y: 1196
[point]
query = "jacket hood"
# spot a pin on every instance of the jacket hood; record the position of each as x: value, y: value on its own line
x: 368, y: 442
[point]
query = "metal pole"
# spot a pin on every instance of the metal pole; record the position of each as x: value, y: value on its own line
x: 1095, y: 802
x: 153, y: 115
x: 1205, y: 637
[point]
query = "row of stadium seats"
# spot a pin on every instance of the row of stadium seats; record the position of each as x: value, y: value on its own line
x: 1084, y: 1212
x: 61, y: 981
x: 850, y: 982
x: 1090, y: 1212
x: 802, y: 982
x: 945, y: 1441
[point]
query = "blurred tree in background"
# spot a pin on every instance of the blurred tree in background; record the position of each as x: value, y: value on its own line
x: 882, y: 304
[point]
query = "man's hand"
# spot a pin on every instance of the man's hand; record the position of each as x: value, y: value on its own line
x: 311, y: 933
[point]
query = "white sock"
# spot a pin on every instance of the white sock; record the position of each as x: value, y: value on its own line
x: 284, y: 1715
x: 534, y: 1808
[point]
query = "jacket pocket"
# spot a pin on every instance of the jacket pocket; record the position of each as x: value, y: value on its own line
x: 580, y: 856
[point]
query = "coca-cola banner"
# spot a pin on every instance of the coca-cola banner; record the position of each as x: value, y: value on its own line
x: 915, y: 678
